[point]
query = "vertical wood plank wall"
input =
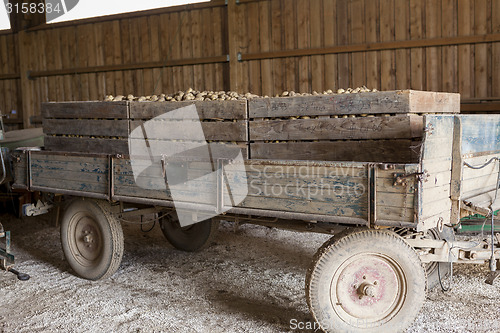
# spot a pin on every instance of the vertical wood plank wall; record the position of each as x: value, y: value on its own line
x: 125, y: 54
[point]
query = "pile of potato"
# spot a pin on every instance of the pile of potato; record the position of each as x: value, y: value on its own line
x: 195, y: 95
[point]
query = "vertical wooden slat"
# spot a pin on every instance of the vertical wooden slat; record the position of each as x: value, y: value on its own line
x: 117, y: 58
x: 128, y: 76
x: 357, y: 16
x: 277, y: 44
x: 99, y: 60
x: 343, y: 39
x: 208, y: 48
x: 330, y: 34
x: 449, y: 59
x: 42, y: 83
x: 495, y: 84
x: 186, y: 36
x: 265, y: 46
x: 464, y: 51
x: 195, y: 22
x: 145, y: 42
x: 27, y: 92
x: 317, y: 68
x: 4, y: 69
x: 480, y: 50
x: 165, y: 40
x: 135, y: 52
x: 289, y: 20
x: 68, y: 59
x: 253, y: 40
x: 416, y: 26
x: 50, y: 52
x: 220, y: 45
x: 92, y: 61
x: 372, y: 63
x: 82, y: 60
x: 387, y: 58
x: 242, y: 34
x: 401, y: 24
x: 108, y: 49
x: 303, y: 42
x: 174, y: 30
x: 154, y: 25
x: 433, y: 54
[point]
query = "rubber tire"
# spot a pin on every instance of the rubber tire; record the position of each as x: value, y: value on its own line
x: 330, y: 257
x: 444, y: 267
x: 110, y: 240
x: 195, y: 237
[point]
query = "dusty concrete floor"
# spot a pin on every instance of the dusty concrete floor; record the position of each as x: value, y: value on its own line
x: 251, y: 280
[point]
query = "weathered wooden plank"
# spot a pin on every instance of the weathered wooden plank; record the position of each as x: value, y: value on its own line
x: 317, y: 28
x: 495, y: 49
x: 395, y: 214
x: 86, y: 145
x: 465, y: 57
x: 73, y: 185
x: 401, y: 101
x: 184, y: 130
x: 401, y: 24
x: 329, y: 36
x: 342, y: 29
x: 397, y: 200
x: 433, y: 54
x: 480, y: 133
x: 373, y: 74
x: 396, y: 127
x: 481, y: 56
x: 357, y: 32
x: 438, y: 126
x: 449, y: 72
x: 395, y: 151
x: 206, y: 109
x: 82, y: 110
x: 86, y: 127
x: 437, y: 148
x: 304, y: 206
x: 69, y: 175
x: 436, y: 207
x: 253, y: 39
x: 435, y: 193
x: 436, y: 179
x: 416, y: 32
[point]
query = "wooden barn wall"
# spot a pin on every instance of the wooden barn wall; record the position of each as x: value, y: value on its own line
x: 264, y: 47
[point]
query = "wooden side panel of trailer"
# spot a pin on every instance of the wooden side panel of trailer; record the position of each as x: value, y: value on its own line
x: 436, y: 160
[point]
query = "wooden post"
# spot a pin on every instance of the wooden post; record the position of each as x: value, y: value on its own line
x: 234, y: 64
x: 19, y: 22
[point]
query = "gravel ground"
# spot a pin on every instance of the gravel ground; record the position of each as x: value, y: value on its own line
x: 250, y: 280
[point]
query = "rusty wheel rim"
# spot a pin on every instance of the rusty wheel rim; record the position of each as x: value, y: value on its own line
x: 368, y: 290
x: 85, y: 239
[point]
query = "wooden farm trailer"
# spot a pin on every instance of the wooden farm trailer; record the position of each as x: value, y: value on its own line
x: 389, y: 174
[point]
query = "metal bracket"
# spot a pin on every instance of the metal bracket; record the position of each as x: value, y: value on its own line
x: 402, y: 179
x: 239, y: 56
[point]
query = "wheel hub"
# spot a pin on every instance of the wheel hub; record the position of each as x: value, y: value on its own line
x: 87, y: 240
x: 367, y: 287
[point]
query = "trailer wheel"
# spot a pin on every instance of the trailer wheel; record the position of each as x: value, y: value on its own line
x: 92, y: 239
x: 192, y: 238
x: 366, y: 281
x: 433, y: 274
